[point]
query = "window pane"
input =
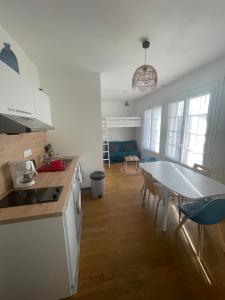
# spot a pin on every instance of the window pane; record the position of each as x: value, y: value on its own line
x: 199, y: 105
x: 194, y: 106
x: 172, y: 124
x: 180, y: 109
x: 195, y: 130
x: 204, y: 104
x: 170, y: 138
x: 173, y: 109
x: 202, y: 125
x: 178, y: 124
x: 192, y: 124
x: 192, y: 142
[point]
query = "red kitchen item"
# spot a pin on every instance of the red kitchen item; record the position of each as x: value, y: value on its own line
x: 53, y: 166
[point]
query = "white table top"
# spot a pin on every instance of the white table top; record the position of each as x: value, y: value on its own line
x: 183, y: 181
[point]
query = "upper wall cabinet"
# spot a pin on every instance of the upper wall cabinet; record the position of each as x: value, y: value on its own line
x: 42, y: 106
x: 16, y: 94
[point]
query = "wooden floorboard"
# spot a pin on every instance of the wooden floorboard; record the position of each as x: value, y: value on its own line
x: 123, y: 257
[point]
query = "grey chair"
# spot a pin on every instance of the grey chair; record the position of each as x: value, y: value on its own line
x: 157, y: 190
x: 202, y: 170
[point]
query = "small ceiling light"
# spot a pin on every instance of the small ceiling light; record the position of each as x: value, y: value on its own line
x: 145, y: 76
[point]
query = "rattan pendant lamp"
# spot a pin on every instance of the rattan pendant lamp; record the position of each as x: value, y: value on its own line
x: 145, y: 77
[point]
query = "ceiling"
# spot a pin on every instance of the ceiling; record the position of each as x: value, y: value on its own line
x: 104, y: 36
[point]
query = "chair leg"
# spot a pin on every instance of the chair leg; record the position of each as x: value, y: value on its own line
x: 156, y: 212
x: 184, y: 219
x: 221, y: 237
x: 142, y: 188
x: 143, y: 199
x: 200, y: 238
x: 149, y: 194
x: 179, y: 203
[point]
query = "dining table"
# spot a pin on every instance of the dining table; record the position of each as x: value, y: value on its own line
x: 182, y: 180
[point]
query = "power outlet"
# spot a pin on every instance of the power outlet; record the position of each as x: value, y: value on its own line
x: 27, y: 152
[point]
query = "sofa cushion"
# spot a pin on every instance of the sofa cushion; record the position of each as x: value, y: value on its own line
x: 117, y: 144
x: 131, y: 146
x: 113, y: 147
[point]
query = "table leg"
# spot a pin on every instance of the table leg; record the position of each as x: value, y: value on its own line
x: 137, y: 166
x: 165, y: 210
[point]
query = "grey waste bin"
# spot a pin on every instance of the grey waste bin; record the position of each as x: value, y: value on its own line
x: 97, y: 184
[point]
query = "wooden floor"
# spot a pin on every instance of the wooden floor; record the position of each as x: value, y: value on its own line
x: 123, y: 257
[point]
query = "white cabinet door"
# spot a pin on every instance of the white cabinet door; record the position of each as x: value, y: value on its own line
x: 42, y: 106
x: 70, y: 230
x: 16, y: 94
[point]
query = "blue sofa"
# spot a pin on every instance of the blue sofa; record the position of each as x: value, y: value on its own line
x: 118, y: 150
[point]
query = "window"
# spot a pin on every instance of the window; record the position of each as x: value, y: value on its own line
x: 151, y: 129
x: 147, y: 129
x: 195, y: 130
x: 174, y: 132
x: 187, y: 126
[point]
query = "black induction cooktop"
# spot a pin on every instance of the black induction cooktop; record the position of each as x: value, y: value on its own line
x: 31, y: 196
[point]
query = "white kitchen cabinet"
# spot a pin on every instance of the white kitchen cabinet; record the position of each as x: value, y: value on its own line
x: 39, y: 257
x: 71, y: 239
x: 42, y: 106
x: 16, y: 93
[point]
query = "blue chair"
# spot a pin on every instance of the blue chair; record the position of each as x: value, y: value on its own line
x: 149, y: 159
x: 203, y: 212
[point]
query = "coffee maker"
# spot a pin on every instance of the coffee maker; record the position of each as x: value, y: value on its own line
x: 23, y: 173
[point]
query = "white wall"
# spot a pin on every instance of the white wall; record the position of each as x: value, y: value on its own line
x: 76, y: 113
x: 210, y: 76
x: 117, y: 109
x: 26, y: 67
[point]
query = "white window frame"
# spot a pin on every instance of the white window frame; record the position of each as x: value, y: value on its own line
x: 149, y: 131
x: 146, y: 133
x: 186, y: 100
x: 185, y: 124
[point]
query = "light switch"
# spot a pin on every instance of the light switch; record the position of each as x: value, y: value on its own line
x: 27, y: 152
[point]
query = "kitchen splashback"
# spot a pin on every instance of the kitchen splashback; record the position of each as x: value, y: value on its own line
x: 12, y: 148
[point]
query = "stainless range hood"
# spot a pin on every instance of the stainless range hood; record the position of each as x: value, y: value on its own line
x: 14, y: 124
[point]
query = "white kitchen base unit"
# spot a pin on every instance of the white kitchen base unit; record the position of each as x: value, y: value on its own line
x: 39, y: 258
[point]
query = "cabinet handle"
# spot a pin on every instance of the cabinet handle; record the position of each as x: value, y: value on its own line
x: 19, y: 111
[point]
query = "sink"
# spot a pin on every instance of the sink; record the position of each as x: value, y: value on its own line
x: 67, y: 161
x: 53, y: 165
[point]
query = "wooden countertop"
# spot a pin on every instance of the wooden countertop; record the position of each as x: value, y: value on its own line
x: 44, y: 210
